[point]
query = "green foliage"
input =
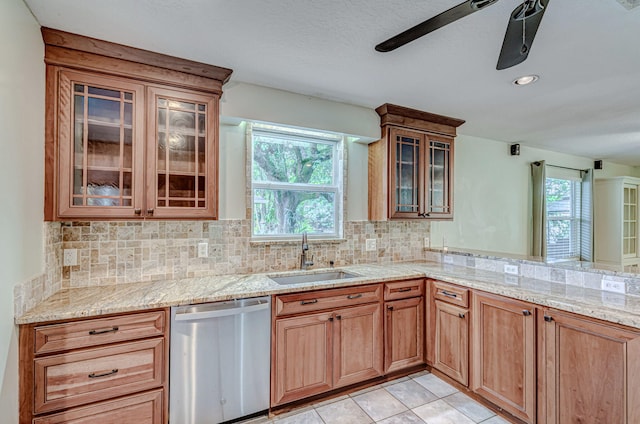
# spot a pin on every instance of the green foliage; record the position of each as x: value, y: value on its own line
x: 290, y: 160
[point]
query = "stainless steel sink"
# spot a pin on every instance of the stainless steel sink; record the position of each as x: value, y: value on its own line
x: 313, y: 277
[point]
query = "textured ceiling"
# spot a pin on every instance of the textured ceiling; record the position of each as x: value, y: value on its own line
x: 587, y: 101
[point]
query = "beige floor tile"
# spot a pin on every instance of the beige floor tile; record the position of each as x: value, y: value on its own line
x: 379, y: 404
x: 343, y: 412
x: 411, y: 393
x: 440, y: 412
x: 406, y: 417
x: 307, y: 417
x: 469, y: 407
x: 435, y: 385
x: 496, y: 420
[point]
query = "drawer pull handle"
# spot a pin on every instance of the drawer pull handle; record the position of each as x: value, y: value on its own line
x: 354, y: 296
x: 112, y: 372
x: 526, y: 312
x: 111, y: 330
x: 406, y: 289
x: 309, y: 302
x: 446, y: 293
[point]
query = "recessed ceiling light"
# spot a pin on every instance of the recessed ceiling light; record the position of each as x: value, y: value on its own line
x: 527, y: 79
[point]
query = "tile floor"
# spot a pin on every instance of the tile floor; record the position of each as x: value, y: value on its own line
x: 419, y: 398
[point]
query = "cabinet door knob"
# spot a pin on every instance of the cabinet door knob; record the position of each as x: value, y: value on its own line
x: 526, y: 312
x: 390, y: 308
x: 137, y: 211
x: 547, y: 318
x: 339, y: 317
x: 461, y: 315
x: 330, y: 319
x: 150, y: 211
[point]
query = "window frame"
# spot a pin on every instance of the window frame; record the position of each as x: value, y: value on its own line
x: 575, y: 218
x: 338, y: 187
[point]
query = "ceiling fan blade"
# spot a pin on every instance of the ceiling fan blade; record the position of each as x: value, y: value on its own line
x: 430, y: 25
x: 513, y: 50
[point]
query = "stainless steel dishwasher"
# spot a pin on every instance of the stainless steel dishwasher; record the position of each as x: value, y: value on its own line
x: 219, y: 361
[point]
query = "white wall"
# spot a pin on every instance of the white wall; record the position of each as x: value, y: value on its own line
x: 492, y: 194
x: 22, y: 176
x: 252, y: 102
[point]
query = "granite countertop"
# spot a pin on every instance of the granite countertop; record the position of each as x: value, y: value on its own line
x: 93, y: 301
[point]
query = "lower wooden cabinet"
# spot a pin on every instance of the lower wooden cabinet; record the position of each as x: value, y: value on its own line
x: 504, y: 354
x: 98, y: 370
x: 404, y: 333
x: 318, y: 352
x: 451, y: 341
x: 144, y: 408
x: 590, y: 371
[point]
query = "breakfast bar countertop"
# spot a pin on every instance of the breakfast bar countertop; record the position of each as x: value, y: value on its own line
x: 83, y: 302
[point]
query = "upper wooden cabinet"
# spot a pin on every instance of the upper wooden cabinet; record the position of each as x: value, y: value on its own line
x: 411, y: 166
x: 616, y: 217
x: 129, y: 133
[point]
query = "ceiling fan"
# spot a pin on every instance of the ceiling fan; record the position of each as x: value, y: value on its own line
x: 521, y: 30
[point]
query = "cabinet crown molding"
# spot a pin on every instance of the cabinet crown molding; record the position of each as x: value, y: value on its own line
x: 67, y: 40
x: 401, y: 116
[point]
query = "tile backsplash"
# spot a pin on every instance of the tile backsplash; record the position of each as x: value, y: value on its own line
x: 119, y: 252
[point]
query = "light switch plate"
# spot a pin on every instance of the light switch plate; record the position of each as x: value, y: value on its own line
x: 203, y: 250
x: 371, y: 245
x: 70, y: 257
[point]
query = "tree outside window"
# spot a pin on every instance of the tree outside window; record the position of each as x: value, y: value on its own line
x: 296, y: 182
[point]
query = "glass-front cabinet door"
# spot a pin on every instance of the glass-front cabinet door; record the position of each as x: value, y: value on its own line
x: 439, y: 179
x: 100, y: 132
x: 182, y: 153
x: 420, y: 175
x: 630, y: 222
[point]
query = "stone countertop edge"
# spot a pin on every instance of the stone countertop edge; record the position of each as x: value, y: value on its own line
x: 86, y: 302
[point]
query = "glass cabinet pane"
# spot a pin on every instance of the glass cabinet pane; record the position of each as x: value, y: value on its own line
x: 406, y: 170
x: 181, y: 153
x: 102, y: 146
x: 438, y: 177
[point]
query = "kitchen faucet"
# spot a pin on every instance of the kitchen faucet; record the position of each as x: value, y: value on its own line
x: 304, y: 263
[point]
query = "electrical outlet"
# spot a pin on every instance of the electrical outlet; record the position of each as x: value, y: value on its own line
x: 511, y: 269
x: 448, y: 259
x: 511, y: 279
x: 371, y: 245
x: 611, y: 285
x: 70, y: 257
x: 427, y: 242
x: 203, y: 250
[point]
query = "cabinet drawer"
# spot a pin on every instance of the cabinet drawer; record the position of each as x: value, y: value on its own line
x: 450, y: 293
x: 403, y: 289
x: 145, y: 408
x: 326, y: 299
x: 94, y: 332
x: 91, y: 375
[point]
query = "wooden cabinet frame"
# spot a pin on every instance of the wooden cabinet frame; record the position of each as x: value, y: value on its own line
x: 102, y: 63
x: 425, y: 127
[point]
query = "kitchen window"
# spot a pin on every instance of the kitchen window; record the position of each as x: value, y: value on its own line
x: 563, y: 218
x: 568, y: 213
x: 296, y: 182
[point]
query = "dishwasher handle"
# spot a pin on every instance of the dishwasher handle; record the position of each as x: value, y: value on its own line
x: 255, y: 306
